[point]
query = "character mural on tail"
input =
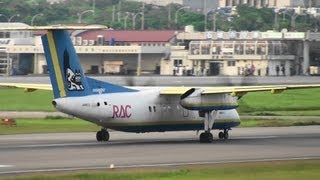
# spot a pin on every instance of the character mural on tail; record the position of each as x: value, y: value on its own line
x: 73, y: 78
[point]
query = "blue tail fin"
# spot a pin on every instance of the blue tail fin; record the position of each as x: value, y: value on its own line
x: 66, y: 75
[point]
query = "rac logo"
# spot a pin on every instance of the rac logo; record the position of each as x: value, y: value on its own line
x: 121, y: 111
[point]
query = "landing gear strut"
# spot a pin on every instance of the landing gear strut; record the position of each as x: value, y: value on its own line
x: 224, y: 134
x: 206, y: 136
x: 102, y: 135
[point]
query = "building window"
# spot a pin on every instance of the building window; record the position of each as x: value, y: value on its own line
x: 231, y: 63
x: 177, y: 62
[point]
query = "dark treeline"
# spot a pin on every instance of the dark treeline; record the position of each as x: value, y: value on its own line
x: 120, y: 15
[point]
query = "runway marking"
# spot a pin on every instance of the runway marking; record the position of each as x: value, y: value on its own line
x: 55, y: 145
x: 5, y: 166
x: 255, y: 137
x: 216, y: 162
x: 129, y: 141
x: 158, y: 165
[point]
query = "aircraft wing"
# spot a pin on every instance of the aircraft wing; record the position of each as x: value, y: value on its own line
x: 28, y: 87
x: 233, y: 90
x: 236, y: 90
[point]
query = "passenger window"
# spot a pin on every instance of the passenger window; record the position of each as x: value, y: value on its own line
x: 150, y: 109
x: 154, y: 108
x: 98, y: 104
x: 105, y: 103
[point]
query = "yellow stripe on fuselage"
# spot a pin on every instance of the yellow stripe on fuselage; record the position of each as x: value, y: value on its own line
x: 56, y: 65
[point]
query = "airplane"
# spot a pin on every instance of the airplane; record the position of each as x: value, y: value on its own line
x: 136, y: 109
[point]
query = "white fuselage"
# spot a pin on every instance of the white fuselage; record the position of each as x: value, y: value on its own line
x: 141, y: 111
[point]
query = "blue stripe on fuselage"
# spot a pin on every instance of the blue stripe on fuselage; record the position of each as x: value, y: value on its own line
x: 211, y: 108
x: 173, y: 127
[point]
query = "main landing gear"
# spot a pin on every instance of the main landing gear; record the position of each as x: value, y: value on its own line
x: 206, y: 136
x: 224, y: 134
x: 102, y: 135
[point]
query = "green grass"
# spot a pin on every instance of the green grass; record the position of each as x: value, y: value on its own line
x: 278, y: 122
x: 49, y: 125
x: 283, y: 113
x: 282, y: 170
x: 12, y: 99
x: 292, y: 102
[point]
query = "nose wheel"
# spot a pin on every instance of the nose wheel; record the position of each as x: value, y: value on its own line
x: 102, y: 135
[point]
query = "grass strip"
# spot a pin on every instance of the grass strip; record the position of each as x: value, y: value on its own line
x: 282, y: 170
x: 14, y: 99
x: 278, y: 122
x: 49, y: 125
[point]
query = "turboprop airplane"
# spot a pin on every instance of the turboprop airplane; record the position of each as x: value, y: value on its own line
x: 139, y: 110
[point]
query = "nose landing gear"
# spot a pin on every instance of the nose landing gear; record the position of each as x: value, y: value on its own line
x: 102, y: 135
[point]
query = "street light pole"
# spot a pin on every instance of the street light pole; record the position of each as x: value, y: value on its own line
x: 142, y: 16
x: 82, y: 13
x: 293, y: 21
x: 214, y: 28
x: 276, y: 23
x: 94, y: 6
x: 176, y: 14
x: 169, y: 15
x: 134, y: 20
x: 206, y: 19
x: 2, y: 15
x: 33, y: 17
x: 16, y: 15
x: 126, y: 18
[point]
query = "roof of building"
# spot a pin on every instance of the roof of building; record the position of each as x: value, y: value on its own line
x: 130, y: 35
x: 13, y: 24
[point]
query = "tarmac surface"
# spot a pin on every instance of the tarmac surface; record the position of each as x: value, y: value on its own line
x: 77, y: 151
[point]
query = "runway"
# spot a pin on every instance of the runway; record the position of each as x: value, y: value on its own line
x: 73, y: 151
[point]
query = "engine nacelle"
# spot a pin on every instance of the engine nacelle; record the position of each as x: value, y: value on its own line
x: 193, y: 99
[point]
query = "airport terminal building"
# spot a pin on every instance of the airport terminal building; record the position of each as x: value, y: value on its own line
x: 170, y: 52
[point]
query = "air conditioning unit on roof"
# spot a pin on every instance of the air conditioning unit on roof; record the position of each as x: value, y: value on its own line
x: 85, y: 42
x: 78, y: 41
x: 91, y: 42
